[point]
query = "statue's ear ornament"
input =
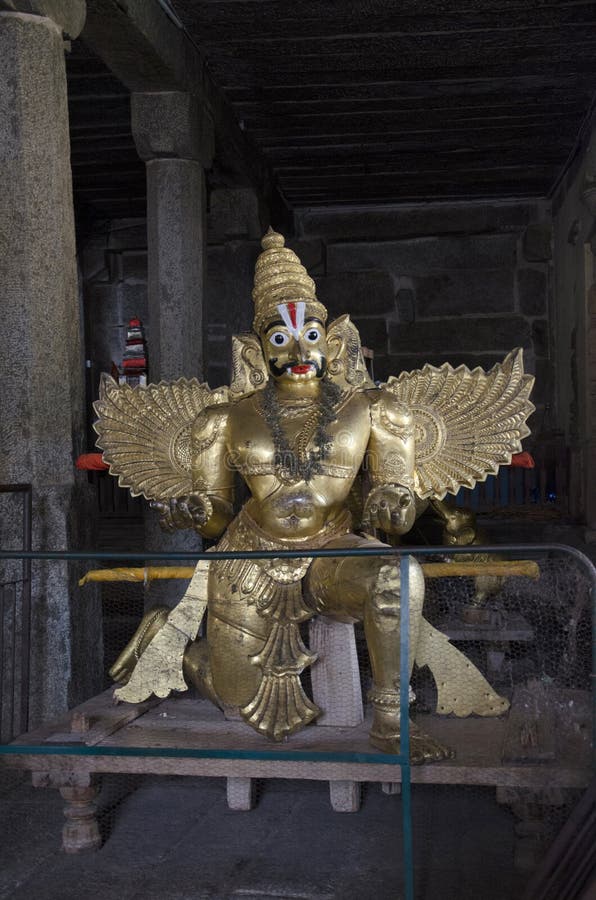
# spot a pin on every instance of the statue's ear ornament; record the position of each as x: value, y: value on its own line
x: 345, y: 361
x: 249, y: 369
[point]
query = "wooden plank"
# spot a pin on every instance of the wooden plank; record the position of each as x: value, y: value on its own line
x: 401, y: 96
x: 407, y: 62
x: 262, y: 122
x: 352, y: 150
x: 118, y: 717
x: 99, y: 722
x: 240, y: 793
x: 236, y: 75
x: 393, y: 86
x: 345, y: 796
x: 401, y: 50
x: 533, y: 777
x: 335, y: 675
x: 365, y: 160
x: 511, y: 627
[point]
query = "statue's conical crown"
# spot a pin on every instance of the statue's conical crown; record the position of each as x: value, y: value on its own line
x: 280, y: 277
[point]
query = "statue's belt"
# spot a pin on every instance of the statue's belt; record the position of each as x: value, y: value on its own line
x: 326, y: 469
x: 244, y: 534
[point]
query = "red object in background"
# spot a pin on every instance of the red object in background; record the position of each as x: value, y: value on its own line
x: 91, y: 461
x: 523, y: 460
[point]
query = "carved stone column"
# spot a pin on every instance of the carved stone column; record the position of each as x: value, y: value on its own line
x: 174, y: 135
x: 41, y: 365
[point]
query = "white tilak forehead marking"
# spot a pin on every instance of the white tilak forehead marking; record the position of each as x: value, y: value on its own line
x: 300, y: 309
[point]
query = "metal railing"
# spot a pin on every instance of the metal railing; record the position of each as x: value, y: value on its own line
x: 402, y: 759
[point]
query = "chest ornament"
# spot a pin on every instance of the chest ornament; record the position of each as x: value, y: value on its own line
x: 302, y: 457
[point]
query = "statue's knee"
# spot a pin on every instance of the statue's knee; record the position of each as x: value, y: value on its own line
x: 416, y: 586
x: 385, y: 606
x: 387, y: 596
x: 385, y: 599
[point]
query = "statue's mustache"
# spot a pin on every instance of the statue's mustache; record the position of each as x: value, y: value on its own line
x: 320, y: 367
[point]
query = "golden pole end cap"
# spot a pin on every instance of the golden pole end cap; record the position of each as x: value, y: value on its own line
x: 272, y: 240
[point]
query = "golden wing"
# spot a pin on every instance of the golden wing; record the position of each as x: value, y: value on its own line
x: 145, y: 433
x: 468, y: 423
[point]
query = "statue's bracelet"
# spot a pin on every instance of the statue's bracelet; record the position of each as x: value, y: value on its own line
x: 203, y: 512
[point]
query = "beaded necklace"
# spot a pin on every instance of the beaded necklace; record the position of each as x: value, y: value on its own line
x: 296, y: 462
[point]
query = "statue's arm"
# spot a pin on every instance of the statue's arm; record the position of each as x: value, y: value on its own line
x: 209, y: 507
x: 390, y: 461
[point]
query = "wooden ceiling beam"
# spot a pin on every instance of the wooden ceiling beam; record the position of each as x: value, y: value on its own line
x: 271, y: 76
x: 143, y: 48
x: 252, y: 21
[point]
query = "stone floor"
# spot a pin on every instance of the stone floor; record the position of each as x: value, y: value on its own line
x: 175, y: 839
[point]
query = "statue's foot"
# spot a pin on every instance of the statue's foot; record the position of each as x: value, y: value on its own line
x: 423, y: 747
x: 197, y: 671
x: 153, y: 620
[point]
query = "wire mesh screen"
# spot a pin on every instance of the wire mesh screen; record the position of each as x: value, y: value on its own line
x: 516, y: 777
x: 15, y: 595
x: 481, y: 820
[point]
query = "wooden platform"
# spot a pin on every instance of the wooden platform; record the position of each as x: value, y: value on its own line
x: 188, y: 724
x: 194, y: 723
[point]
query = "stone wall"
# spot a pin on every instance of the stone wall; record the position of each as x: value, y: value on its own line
x: 114, y: 270
x: 113, y: 264
x: 463, y: 283
x: 574, y: 219
x: 235, y: 225
x: 458, y: 283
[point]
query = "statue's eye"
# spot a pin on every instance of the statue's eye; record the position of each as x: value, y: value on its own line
x: 279, y: 339
x: 313, y: 335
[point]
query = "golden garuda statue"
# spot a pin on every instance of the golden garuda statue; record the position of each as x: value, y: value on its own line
x: 299, y: 422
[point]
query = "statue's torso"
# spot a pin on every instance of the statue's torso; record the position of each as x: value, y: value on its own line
x: 287, y: 507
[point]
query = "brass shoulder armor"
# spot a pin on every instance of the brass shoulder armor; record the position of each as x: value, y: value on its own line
x: 207, y: 426
x: 209, y: 445
x: 392, y: 443
x: 391, y: 414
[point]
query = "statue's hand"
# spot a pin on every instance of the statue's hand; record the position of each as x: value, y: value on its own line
x: 188, y: 511
x: 391, y: 508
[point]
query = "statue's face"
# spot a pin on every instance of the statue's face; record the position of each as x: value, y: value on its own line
x: 295, y: 345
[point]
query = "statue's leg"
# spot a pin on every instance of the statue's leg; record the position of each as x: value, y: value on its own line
x: 197, y: 670
x: 219, y: 667
x: 153, y: 620
x: 196, y: 658
x: 235, y: 633
x: 368, y: 589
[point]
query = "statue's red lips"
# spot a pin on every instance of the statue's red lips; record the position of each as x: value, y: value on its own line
x: 302, y: 369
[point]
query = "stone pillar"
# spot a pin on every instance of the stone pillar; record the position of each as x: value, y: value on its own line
x: 174, y: 135
x: 41, y: 365
x: 238, y: 218
x: 590, y: 455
